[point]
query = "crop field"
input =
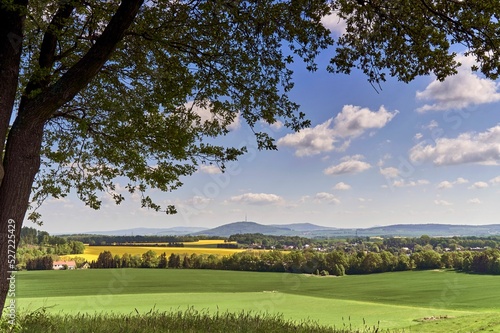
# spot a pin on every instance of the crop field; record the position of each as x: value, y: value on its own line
x: 205, y: 247
x: 420, y: 301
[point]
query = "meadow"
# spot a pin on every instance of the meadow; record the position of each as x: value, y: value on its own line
x: 417, y: 301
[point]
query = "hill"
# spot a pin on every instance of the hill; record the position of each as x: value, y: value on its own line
x: 227, y: 230
x: 313, y: 230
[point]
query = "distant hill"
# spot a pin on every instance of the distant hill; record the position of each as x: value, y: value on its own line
x: 302, y: 227
x: 175, y: 231
x: 313, y: 230
x: 227, y: 230
x: 416, y: 230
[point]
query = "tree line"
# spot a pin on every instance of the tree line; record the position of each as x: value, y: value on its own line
x: 38, y: 249
x: 131, y: 239
x: 312, y: 262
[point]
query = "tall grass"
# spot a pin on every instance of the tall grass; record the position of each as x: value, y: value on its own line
x: 189, y: 321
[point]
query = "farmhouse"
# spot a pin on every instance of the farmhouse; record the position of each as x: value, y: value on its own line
x: 61, y: 264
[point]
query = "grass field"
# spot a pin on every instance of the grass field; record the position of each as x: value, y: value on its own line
x: 201, y: 247
x: 464, y: 302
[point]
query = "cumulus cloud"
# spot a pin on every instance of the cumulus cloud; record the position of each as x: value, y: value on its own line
x: 350, y: 164
x: 342, y: 186
x: 474, y: 201
x: 389, y: 172
x: 459, y: 91
x: 336, y: 133
x: 444, y: 184
x: 353, y: 121
x: 411, y: 183
x: 442, y: 203
x: 461, y: 180
x: 326, y: 197
x: 257, y: 199
x: 495, y: 180
x: 478, y: 185
x: 334, y: 23
x: 198, y: 201
x: 447, y: 184
x: 482, y: 148
x: 207, y: 116
x: 210, y: 169
x: 418, y: 136
x: 311, y: 141
x: 432, y: 124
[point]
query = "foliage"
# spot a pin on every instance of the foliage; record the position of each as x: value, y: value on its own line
x: 40, y: 263
x: 412, y: 38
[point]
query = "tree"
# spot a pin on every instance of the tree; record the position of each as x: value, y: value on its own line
x: 105, y: 260
x: 100, y: 90
x: 97, y: 91
x: 174, y: 261
x: 150, y: 259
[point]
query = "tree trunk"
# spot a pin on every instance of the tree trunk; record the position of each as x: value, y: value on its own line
x: 21, y: 163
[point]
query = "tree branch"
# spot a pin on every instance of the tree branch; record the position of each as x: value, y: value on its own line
x: 11, y: 38
x: 41, y: 107
x: 48, y: 48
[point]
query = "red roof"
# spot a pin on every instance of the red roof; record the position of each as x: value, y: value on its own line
x: 69, y: 263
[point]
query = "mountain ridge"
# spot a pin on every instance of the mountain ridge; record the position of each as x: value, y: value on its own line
x: 313, y: 230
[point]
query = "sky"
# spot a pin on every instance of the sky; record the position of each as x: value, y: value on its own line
x: 424, y: 152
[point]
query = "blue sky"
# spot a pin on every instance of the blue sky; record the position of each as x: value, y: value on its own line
x: 424, y: 152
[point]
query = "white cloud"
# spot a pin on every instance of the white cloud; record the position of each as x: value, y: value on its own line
x: 389, y: 172
x: 276, y: 125
x: 210, y: 169
x: 364, y: 200
x: 418, y: 136
x: 198, y: 201
x: 433, y: 124
x: 349, y: 123
x: 478, y: 185
x: 495, y: 180
x: 412, y: 183
x: 342, y: 186
x: 483, y: 148
x: 326, y: 197
x: 311, y: 141
x: 474, y: 201
x: 459, y: 91
x: 445, y: 184
x: 353, y: 121
x: 442, y: 203
x: 334, y: 23
x: 461, y: 180
x: 257, y: 199
x: 207, y: 116
x: 350, y: 164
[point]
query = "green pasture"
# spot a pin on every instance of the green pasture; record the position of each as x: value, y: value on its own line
x: 389, y: 300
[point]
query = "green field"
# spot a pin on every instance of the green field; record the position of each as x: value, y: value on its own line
x: 464, y: 302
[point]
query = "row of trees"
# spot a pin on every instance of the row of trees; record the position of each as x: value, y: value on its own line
x: 138, y: 239
x: 331, y: 263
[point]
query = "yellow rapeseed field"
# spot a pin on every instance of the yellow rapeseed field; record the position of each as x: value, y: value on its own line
x: 92, y: 252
